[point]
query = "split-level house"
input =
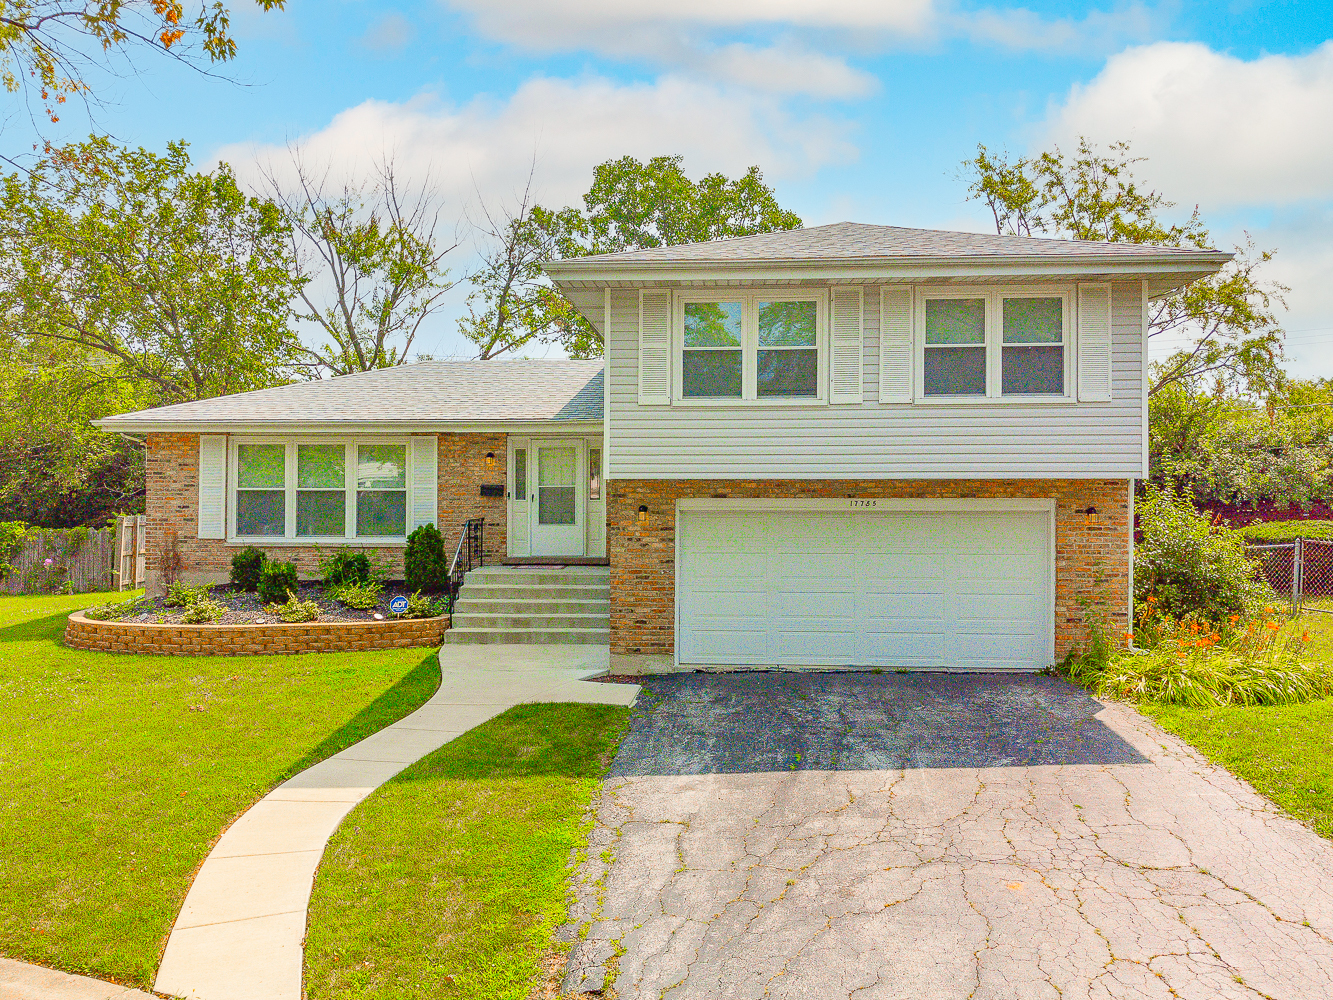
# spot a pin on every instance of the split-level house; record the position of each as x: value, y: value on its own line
x: 843, y: 446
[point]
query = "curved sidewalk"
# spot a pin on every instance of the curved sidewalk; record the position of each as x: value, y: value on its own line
x: 240, y: 932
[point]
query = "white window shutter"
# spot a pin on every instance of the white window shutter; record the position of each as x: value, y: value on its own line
x: 654, y: 348
x: 425, y: 482
x: 895, y: 345
x: 845, y: 346
x: 212, y: 486
x: 1094, y: 343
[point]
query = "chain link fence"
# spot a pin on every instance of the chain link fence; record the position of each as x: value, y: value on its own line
x: 1301, y: 570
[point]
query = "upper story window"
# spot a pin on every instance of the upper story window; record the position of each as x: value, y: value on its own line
x: 759, y: 346
x: 994, y: 344
x: 320, y: 489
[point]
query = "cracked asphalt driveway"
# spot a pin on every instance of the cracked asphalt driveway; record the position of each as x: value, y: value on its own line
x: 1108, y: 860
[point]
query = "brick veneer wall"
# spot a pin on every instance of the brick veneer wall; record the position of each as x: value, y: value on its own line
x: 172, y: 507
x: 250, y: 640
x: 1092, y: 562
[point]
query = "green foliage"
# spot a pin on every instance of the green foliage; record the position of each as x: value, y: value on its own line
x: 294, y: 609
x: 116, y: 610
x: 1190, y: 567
x: 276, y: 581
x: 169, y: 280
x: 203, y: 612
x: 247, y: 567
x: 1093, y: 195
x: 424, y: 564
x: 180, y: 595
x: 1194, y: 663
x: 12, y: 534
x: 344, y: 567
x: 362, y: 596
x: 1224, y: 449
x: 370, y: 261
x: 631, y: 205
x: 1285, y: 531
x: 419, y: 606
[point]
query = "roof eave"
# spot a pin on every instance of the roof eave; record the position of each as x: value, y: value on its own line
x: 126, y: 425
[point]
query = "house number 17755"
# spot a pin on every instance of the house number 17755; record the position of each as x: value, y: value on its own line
x: 863, y: 503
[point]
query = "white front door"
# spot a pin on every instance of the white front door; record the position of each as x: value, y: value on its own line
x: 556, y: 503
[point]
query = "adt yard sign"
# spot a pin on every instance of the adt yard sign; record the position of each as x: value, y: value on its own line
x: 398, y: 605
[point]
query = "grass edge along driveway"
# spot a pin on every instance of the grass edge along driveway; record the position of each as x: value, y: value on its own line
x: 119, y: 772
x: 448, y: 881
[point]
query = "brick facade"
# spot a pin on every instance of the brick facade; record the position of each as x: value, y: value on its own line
x: 1092, y: 562
x: 250, y: 640
x: 172, y: 506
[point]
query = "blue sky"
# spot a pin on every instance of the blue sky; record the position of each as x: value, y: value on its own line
x: 855, y: 109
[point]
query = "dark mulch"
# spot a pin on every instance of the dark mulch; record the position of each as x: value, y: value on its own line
x: 247, y: 609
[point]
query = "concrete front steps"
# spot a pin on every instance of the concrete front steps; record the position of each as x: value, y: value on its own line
x: 533, y: 604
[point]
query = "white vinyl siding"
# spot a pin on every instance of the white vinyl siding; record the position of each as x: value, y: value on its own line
x: 1028, y: 438
x: 212, y: 486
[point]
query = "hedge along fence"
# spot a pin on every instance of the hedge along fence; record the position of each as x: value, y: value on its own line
x: 54, y: 560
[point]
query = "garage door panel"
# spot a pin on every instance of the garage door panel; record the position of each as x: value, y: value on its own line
x: 958, y: 590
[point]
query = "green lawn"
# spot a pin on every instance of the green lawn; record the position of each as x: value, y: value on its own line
x: 117, y: 773
x: 1285, y: 752
x: 448, y: 881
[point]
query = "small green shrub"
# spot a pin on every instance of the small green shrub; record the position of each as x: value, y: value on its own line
x: 1191, y: 567
x: 362, y: 596
x: 247, y: 566
x: 424, y: 565
x: 276, y: 581
x: 295, y: 609
x: 180, y: 595
x: 343, y: 567
x: 116, y: 610
x: 1285, y: 531
x: 423, y: 607
x: 204, y: 611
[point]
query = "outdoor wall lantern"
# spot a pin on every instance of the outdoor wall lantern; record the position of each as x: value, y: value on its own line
x: 643, y: 513
x: 1090, y: 516
x: 490, y: 460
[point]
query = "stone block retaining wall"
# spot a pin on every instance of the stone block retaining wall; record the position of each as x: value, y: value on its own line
x: 250, y: 640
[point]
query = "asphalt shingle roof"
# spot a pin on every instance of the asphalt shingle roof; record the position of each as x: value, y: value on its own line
x: 861, y: 241
x: 426, y: 393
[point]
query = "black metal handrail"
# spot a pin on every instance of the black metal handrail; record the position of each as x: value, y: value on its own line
x: 469, y: 553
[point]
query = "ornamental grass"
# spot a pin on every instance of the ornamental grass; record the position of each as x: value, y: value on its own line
x: 1188, y: 661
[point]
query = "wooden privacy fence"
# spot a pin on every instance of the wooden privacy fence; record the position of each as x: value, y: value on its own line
x: 78, y: 560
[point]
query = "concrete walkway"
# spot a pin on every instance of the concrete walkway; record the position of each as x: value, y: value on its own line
x: 240, y: 933
x: 21, y: 981
x: 1150, y: 875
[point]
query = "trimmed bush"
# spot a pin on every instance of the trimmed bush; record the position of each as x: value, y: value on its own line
x: 424, y: 565
x: 1285, y: 531
x: 277, y: 581
x: 246, y: 568
x: 362, y: 596
x: 345, y: 567
x: 1189, y: 567
x: 295, y: 609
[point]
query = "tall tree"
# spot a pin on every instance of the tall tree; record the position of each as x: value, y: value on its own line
x: 175, y: 279
x: 630, y: 206
x: 52, y: 44
x: 1228, y: 319
x: 370, y: 262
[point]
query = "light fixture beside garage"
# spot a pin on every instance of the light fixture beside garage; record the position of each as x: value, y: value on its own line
x: 1089, y: 516
x: 490, y: 460
x: 643, y: 513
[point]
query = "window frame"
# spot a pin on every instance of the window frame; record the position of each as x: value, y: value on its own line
x: 290, y: 489
x: 994, y: 296
x: 750, y: 299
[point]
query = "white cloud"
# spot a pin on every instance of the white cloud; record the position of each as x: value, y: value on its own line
x: 1020, y: 29
x: 390, y: 34
x: 1215, y: 129
x: 784, y: 70
x: 487, y: 146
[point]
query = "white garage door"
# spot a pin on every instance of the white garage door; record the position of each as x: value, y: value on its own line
x: 958, y: 590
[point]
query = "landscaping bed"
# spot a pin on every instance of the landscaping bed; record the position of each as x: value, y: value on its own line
x: 248, y: 608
